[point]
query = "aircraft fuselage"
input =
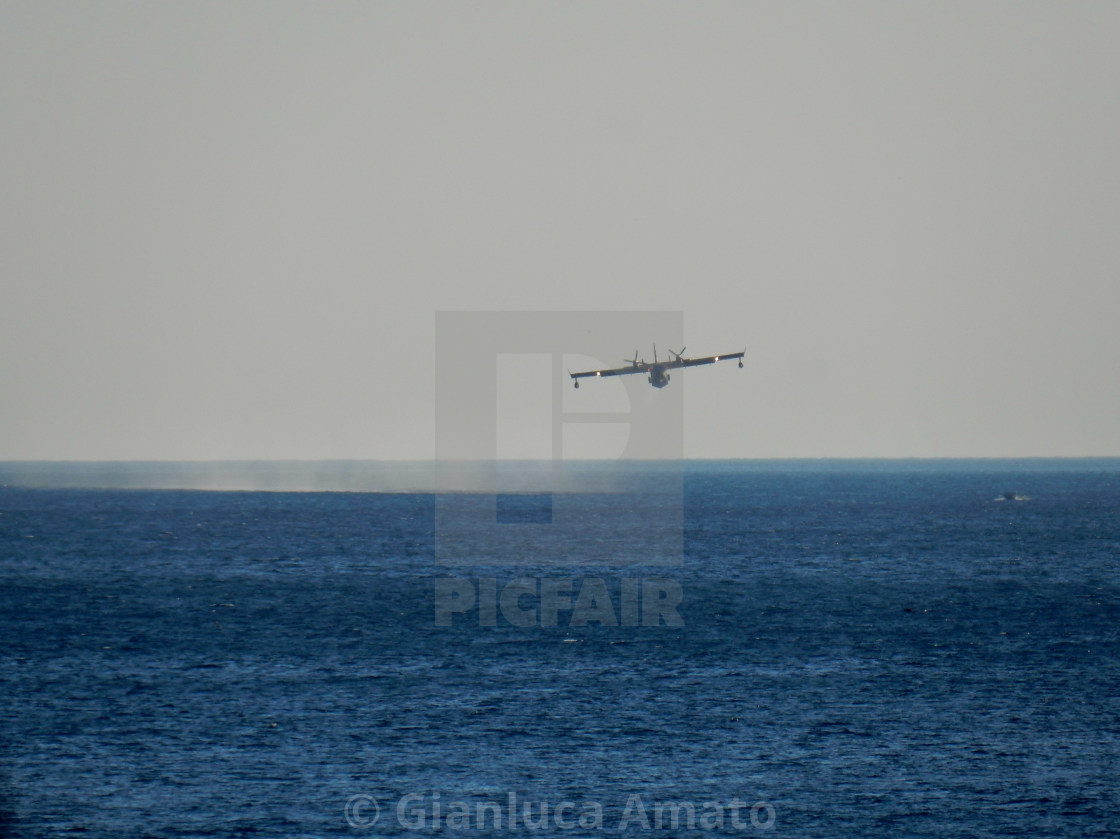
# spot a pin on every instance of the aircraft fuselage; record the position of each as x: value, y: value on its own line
x: 658, y: 375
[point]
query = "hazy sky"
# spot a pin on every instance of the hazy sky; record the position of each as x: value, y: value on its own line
x: 226, y: 228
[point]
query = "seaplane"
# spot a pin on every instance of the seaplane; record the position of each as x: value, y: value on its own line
x: 657, y: 371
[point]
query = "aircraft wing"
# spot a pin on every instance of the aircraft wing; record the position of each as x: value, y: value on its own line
x: 711, y: 359
x: 629, y: 369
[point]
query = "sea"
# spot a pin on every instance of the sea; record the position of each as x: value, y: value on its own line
x: 832, y: 649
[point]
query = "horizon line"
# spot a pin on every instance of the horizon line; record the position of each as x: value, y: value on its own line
x: 768, y: 458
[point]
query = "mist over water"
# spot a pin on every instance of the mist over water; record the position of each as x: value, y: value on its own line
x: 430, y: 476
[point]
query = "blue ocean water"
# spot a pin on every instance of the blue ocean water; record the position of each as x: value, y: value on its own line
x: 866, y: 649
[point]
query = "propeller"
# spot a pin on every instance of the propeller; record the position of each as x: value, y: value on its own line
x: 634, y: 360
x: 678, y: 354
